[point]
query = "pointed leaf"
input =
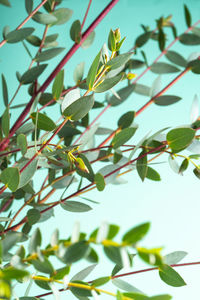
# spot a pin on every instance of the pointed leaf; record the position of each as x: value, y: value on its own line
x: 142, y: 39
x: 45, y: 19
x: 136, y: 233
x: 28, y: 172
x: 75, y: 31
x: 93, y: 71
x: 180, y: 138
x: 78, y: 72
x: 4, y: 90
x: 125, y: 286
x: 119, y: 60
x: 79, y: 108
x: 166, y: 100
x: 108, y: 83
x: 88, y: 42
x: 174, y: 257
x: 5, y: 122
x: 58, y: 85
x: 22, y: 143
x: 5, y: 2
x: 19, y: 35
x: 83, y: 273
x: 163, y: 68
x: 189, y: 39
x: 141, y: 166
x: 75, y: 252
x: 152, y: 174
x: 32, y: 74
x: 176, y: 58
x: 123, y: 136
x: 75, y: 206
x: 170, y: 276
x: 43, y: 122
x: 48, y: 54
x: 126, y: 120
x: 35, y: 241
x: 188, y: 18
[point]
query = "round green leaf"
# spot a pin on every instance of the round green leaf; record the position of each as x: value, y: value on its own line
x: 62, y: 15
x: 10, y: 177
x: 100, y: 182
x: 75, y: 31
x: 79, y: 108
x: 33, y: 216
x: 180, y: 138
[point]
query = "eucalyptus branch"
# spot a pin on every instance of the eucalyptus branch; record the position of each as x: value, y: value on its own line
x: 86, y: 13
x: 128, y: 274
x: 140, y: 76
x: 59, y: 67
x: 3, y: 42
x: 77, y: 193
x: 149, y: 102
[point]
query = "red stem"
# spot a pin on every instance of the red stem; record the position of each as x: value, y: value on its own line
x: 84, y: 19
x: 86, y: 187
x: 130, y: 273
x: 138, y: 77
x: 3, y: 42
x: 165, y: 51
x: 152, y: 269
x: 162, y: 91
x: 59, y: 67
x: 99, y: 115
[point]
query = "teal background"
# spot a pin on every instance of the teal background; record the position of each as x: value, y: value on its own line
x: 172, y: 205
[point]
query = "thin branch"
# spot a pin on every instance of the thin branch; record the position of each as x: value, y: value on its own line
x: 59, y: 67
x: 3, y: 42
x: 141, y: 75
x: 86, y: 13
x: 128, y: 274
x: 162, y: 91
x: 24, y: 220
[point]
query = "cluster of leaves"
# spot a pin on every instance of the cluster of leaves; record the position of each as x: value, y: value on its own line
x: 28, y: 147
x: 76, y: 247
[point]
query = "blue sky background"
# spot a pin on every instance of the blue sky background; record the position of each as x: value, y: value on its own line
x: 172, y: 205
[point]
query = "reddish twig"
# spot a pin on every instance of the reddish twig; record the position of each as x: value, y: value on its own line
x: 15, y: 227
x: 128, y: 274
x: 162, y: 91
x: 3, y: 42
x: 84, y: 19
x: 59, y: 67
